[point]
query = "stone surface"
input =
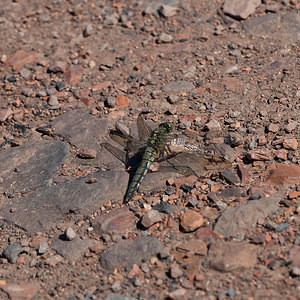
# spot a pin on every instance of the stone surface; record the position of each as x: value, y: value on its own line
x: 193, y: 246
x: 20, y: 58
x: 74, y: 74
x: 11, y: 252
x: 260, y: 154
x: 126, y: 253
x: 178, y: 86
x: 240, y: 9
x: 122, y: 101
x: 71, y: 250
x: 282, y: 174
x: 231, y: 256
x: 47, y: 206
x: 70, y: 234
x: 5, y: 113
x: 150, y: 217
x: 191, y: 220
x: 31, y: 165
x: 238, y: 219
x: 80, y: 128
x: 25, y: 291
x: 117, y: 222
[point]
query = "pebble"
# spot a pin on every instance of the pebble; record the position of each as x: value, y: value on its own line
x: 164, y: 208
x: 290, y: 144
x: 281, y: 227
x: 43, y: 248
x: 70, y: 233
x: 240, y: 9
x: 111, y: 101
x: 53, y: 101
x: 273, y: 127
x: 175, y: 272
x: 165, y: 38
x: 151, y: 217
x: 11, y: 252
x: 170, y: 190
x: 87, y: 153
x: 168, y: 10
x: 122, y: 101
x: 213, y: 125
x: 87, y: 30
x: 191, y: 220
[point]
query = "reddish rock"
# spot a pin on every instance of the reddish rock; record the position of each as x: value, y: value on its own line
x: 294, y: 194
x: 262, y: 140
x: 87, y: 153
x: 122, y: 101
x: 205, y: 234
x: 240, y: 9
x: 280, y: 174
x: 243, y: 173
x: 294, y: 256
x: 191, y: 220
x: 175, y: 272
x: 290, y: 144
x: 259, y: 154
x: 5, y: 113
x: 101, y: 86
x: 151, y: 217
x: 120, y: 221
x: 291, y: 126
x: 193, y: 246
x: 74, y: 73
x: 25, y: 291
x: 96, y: 247
x: 281, y: 154
x: 19, y: 59
x: 87, y: 101
x: 231, y: 256
x: 58, y: 67
x: 273, y: 127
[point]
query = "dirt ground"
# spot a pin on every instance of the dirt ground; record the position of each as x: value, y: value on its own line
x: 226, y: 76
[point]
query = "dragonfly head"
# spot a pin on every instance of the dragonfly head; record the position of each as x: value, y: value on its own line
x: 167, y: 126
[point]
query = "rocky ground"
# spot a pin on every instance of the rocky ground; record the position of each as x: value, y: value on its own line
x: 226, y: 75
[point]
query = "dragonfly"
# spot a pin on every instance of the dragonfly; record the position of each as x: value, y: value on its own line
x: 158, y: 144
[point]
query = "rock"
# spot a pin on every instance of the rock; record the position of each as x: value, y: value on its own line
x: 165, y: 38
x: 190, y: 221
x: 213, y: 125
x: 168, y: 10
x: 290, y: 144
x: 150, y: 217
x: 178, y: 86
x: 43, y: 247
x: 47, y: 206
x: 25, y: 73
x: 80, y: 128
x: 282, y: 174
x: 87, y: 30
x: 240, y: 9
x: 122, y: 101
x: 70, y: 234
x: 177, y: 294
x: 260, y: 154
x: 238, y: 219
x: 117, y: 222
x: 11, y: 252
x: 26, y: 291
x: 71, y: 250
x: 58, y: 67
x: 164, y: 208
x: 19, y: 59
x: 35, y: 162
x: 87, y: 153
x: 53, y: 102
x: 175, y: 272
x: 197, y: 247
x: 5, y: 113
x: 111, y: 101
x: 231, y: 256
x: 229, y: 176
x: 118, y: 297
x: 292, y: 125
x: 206, y: 234
x: 126, y: 253
x: 74, y: 73
x: 294, y: 257
x: 101, y: 86
x: 273, y: 127
x: 281, y: 154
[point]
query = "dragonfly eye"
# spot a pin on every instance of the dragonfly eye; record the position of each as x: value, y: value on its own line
x: 167, y: 126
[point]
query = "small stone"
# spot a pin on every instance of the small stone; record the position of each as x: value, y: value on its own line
x: 280, y: 174
x: 58, y: 67
x: 87, y: 30
x: 190, y: 221
x: 111, y: 101
x: 168, y: 10
x: 25, y: 291
x: 213, y: 125
x: 165, y: 38
x: 273, y: 127
x: 290, y: 144
x: 43, y: 248
x: 177, y: 294
x: 260, y: 155
x: 53, y: 101
x: 164, y: 208
x: 175, y: 272
x: 230, y: 176
x: 151, y: 217
x: 74, y: 74
x: 292, y: 125
x: 25, y: 73
x: 70, y: 233
x: 11, y: 252
x: 281, y: 227
x: 5, y: 113
x: 243, y: 173
x: 281, y: 154
x: 261, y: 141
x: 172, y: 99
x: 240, y: 9
x: 122, y: 101
x: 87, y: 153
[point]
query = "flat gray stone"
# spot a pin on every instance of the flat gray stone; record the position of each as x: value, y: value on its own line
x: 80, y: 129
x: 31, y: 165
x: 47, y: 206
x: 238, y: 219
x: 240, y: 9
x: 178, y: 86
x: 71, y: 250
x: 129, y: 252
x: 282, y: 27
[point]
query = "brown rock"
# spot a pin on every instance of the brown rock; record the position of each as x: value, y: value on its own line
x: 205, y: 234
x: 262, y: 140
x: 291, y: 126
x: 294, y: 194
x: 19, y: 59
x: 231, y: 256
x: 87, y: 153
x: 191, y: 220
x: 175, y: 272
x: 213, y: 125
x: 273, y: 127
x: 151, y: 217
x: 74, y: 73
x: 243, y: 173
x: 240, y: 9
x: 281, y: 154
x: 122, y: 101
x: 58, y: 67
x: 290, y: 144
x: 193, y: 246
x: 120, y: 222
x: 280, y: 174
x: 259, y: 154
x: 25, y: 291
x: 5, y: 113
x: 101, y: 86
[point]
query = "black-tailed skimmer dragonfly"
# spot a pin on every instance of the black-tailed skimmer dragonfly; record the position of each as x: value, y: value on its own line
x: 154, y: 144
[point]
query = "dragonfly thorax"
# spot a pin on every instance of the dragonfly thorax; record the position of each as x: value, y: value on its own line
x: 167, y: 126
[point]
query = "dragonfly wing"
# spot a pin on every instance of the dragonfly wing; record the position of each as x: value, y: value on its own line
x: 144, y: 130
x: 118, y: 153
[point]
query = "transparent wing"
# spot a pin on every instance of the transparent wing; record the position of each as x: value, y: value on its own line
x: 118, y: 153
x: 144, y: 130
